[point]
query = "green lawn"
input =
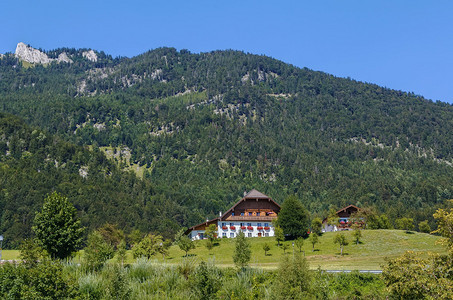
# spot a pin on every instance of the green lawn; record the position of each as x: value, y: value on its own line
x: 369, y: 255
x: 10, y: 254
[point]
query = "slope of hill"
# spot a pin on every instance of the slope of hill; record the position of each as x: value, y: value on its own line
x: 34, y: 163
x: 205, y: 127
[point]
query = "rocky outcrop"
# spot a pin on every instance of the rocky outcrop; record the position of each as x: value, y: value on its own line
x: 31, y: 55
x: 1, y: 56
x: 34, y: 56
x: 90, y: 55
x: 63, y: 57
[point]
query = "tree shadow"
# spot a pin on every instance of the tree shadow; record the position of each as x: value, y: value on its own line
x: 410, y: 232
x: 269, y: 254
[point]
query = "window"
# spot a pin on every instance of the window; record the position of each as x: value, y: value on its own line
x: 249, y: 224
x: 224, y: 234
x: 242, y: 214
x: 231, y: 235
x: 242, y: 224
x: 259, y: 225
x: 223, y: 224
x: 250, y: 235
x: 232, y: 214
x: 266, y: 234
x: 266, y: 224
x: 250, y: 214
x: 231, y: 224
x: 201, y: 235
x: 257, y: 213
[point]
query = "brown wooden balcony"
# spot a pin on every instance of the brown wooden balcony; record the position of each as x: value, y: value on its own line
x: 250, y: 218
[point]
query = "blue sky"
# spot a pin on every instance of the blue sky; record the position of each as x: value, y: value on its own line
x: 405, y: 45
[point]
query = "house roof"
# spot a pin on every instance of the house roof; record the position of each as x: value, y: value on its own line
x: 345, y: 208
x: 205, y: 222
x: 253, y: 194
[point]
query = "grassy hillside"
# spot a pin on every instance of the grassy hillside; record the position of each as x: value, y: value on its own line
x: 370, y: 254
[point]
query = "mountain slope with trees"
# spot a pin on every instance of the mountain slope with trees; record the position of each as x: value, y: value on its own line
x: 205, y: 127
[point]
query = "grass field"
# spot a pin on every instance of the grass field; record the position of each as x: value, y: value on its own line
x: 376, y: 246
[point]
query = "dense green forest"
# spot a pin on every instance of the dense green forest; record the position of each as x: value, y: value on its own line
x: 202, y: 128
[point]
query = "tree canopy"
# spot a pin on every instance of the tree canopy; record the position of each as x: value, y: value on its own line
x: 57, y: 227
x: 293, y: 218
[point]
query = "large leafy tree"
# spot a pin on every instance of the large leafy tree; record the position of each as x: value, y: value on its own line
x: 57, y: 228
x: 293, y: 218
x: 148, y: 246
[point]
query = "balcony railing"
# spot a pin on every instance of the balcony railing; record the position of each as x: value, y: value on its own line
x: 251, y: 218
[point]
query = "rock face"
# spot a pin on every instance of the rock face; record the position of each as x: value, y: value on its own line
x: 63, y: 57
x: 90, y: 55
x: 35, y: 56
x: 31, y: 55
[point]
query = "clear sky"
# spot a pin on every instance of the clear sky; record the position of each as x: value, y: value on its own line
x: 405, y: 45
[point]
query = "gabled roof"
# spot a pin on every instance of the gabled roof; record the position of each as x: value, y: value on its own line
x: 345, y: 208
x: 253, y: 194
x: 205, y: 222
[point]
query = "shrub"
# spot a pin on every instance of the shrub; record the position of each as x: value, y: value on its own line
x: 293, y: 278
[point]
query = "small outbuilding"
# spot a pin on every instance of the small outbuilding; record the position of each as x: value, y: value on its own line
x: 344, y: 219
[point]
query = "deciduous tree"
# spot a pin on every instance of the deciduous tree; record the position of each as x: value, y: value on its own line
x: 148, y: 246
x: 314, y: 239
x: 340, y: 239
x: 316, y: 226
x: 299, y: 242
x: 278, y: 234
x: 57, y: 228
x: 184, y: 242
x: 405, y: 224
x: 424, y: 227
x: 266, y: 248
x: 97, y: 251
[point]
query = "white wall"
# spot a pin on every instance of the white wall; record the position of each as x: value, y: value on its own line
x: 253, y: 233
x: 194, y: 235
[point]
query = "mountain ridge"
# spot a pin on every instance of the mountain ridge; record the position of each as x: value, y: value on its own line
x: 202, y: 128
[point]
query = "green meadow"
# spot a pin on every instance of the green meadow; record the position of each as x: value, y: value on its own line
x: 375, y: 247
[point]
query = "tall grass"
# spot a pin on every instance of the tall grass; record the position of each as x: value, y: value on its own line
x: 151, y: 279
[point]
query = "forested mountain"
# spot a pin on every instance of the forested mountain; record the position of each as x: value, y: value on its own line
x: 202, y: 128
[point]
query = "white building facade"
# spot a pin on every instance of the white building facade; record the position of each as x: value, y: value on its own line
x: 253, y: 215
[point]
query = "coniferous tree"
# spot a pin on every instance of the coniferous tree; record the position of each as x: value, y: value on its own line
x: 293, y: 218
x: 242, y: 251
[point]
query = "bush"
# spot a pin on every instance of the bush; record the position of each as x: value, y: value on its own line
x: 207, y: 281
x: 293, y: 278
x: 44, y: 280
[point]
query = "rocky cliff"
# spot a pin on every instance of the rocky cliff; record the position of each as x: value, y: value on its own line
x: 90, y: 55
x: 34, y: 56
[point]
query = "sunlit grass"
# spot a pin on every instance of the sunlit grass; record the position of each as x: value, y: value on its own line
x: 370, y: 254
